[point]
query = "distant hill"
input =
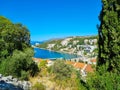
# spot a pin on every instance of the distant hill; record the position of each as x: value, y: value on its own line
x: 34, y: 42
x: 68, y: 43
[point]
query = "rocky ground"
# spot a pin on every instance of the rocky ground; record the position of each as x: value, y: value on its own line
x: 48, y: 83
x: 10, y: 83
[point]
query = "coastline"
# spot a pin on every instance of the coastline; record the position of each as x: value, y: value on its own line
x: 58, y: 51
x: 71, y: 56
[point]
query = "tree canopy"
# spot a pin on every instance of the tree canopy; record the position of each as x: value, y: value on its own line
x: 109, y: 36
x: 12, y: 36
x: 107, y: 76
x: 15, y: 51
x: 61, y: 70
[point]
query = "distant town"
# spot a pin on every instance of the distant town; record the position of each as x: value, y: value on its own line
x: 84, y: 47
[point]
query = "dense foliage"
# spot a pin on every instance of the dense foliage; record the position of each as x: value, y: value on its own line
x: 12, y: 36
x: 15, y: 51
x: 109, y: 36
x: 38, y: 86
x: 61, y: 70
x: 65, y: 76
x: 108, y: 67
x: 104, y: 81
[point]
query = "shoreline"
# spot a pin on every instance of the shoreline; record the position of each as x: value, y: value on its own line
x: 74, y: 55
x: 59, y: 51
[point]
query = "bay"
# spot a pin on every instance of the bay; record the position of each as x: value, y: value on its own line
x: 47, y: 54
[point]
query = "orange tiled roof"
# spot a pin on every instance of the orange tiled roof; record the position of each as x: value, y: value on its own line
x: 79, y: 65
x: 93, y: 60
x: 89, y: 68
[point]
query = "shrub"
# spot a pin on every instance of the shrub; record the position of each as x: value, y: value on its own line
x: 61, y: 70
x: 106, y: 81
x: 38, y: 86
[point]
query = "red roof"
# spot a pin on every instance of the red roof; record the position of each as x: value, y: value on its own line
x: 89, y: 68
x: 93, y: 60
x: 79, y: 65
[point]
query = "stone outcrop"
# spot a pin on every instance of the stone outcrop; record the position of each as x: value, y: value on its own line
x: 10, y: 83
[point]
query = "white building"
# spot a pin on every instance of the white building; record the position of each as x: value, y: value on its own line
x: 80, y: 52
x: 95, y: 41
x: 50, y: 46
x: 86, y: 41
x: 75, y: 42
x: 89, y: 48
x: 65, y: 42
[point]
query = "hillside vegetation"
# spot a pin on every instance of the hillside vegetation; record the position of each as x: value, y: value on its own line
x: 15, y: 50
x: 59, y: 76
x: 71, y: 44
x: 16, y: 55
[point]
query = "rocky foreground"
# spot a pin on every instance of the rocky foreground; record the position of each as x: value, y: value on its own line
x: 10, y: 83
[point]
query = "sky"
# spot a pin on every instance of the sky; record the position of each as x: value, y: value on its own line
x: 47, y: 19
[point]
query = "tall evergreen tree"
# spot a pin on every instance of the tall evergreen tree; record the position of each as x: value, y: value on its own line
x: 109, y: 36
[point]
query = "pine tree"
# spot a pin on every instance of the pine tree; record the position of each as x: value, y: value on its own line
x: 109, y: 36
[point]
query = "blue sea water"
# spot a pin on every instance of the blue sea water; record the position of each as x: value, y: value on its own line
x: 47, y: 54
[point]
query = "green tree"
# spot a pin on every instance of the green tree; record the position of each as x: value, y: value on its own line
x: 61, y: 70
x: 12, y: 36
x: 108, y: 66
x: 20, y: 64
x: 106, y: 81
x: 15, y: 51
x: 109, y: 36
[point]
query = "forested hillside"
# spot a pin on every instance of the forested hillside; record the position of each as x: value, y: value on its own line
x: 69, y: 42
x: 15, y: 50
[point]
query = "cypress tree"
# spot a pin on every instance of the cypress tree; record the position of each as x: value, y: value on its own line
x: 109, y: 36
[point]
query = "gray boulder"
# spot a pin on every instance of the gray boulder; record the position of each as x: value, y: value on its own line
x: 0, y: 75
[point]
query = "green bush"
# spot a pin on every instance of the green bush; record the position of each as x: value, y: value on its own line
x: 106, y: 81
x: 24, y: 75
x: 61, y: 70
x: 20, y: 64
x: 42, y: 64
x: 38, y: 86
